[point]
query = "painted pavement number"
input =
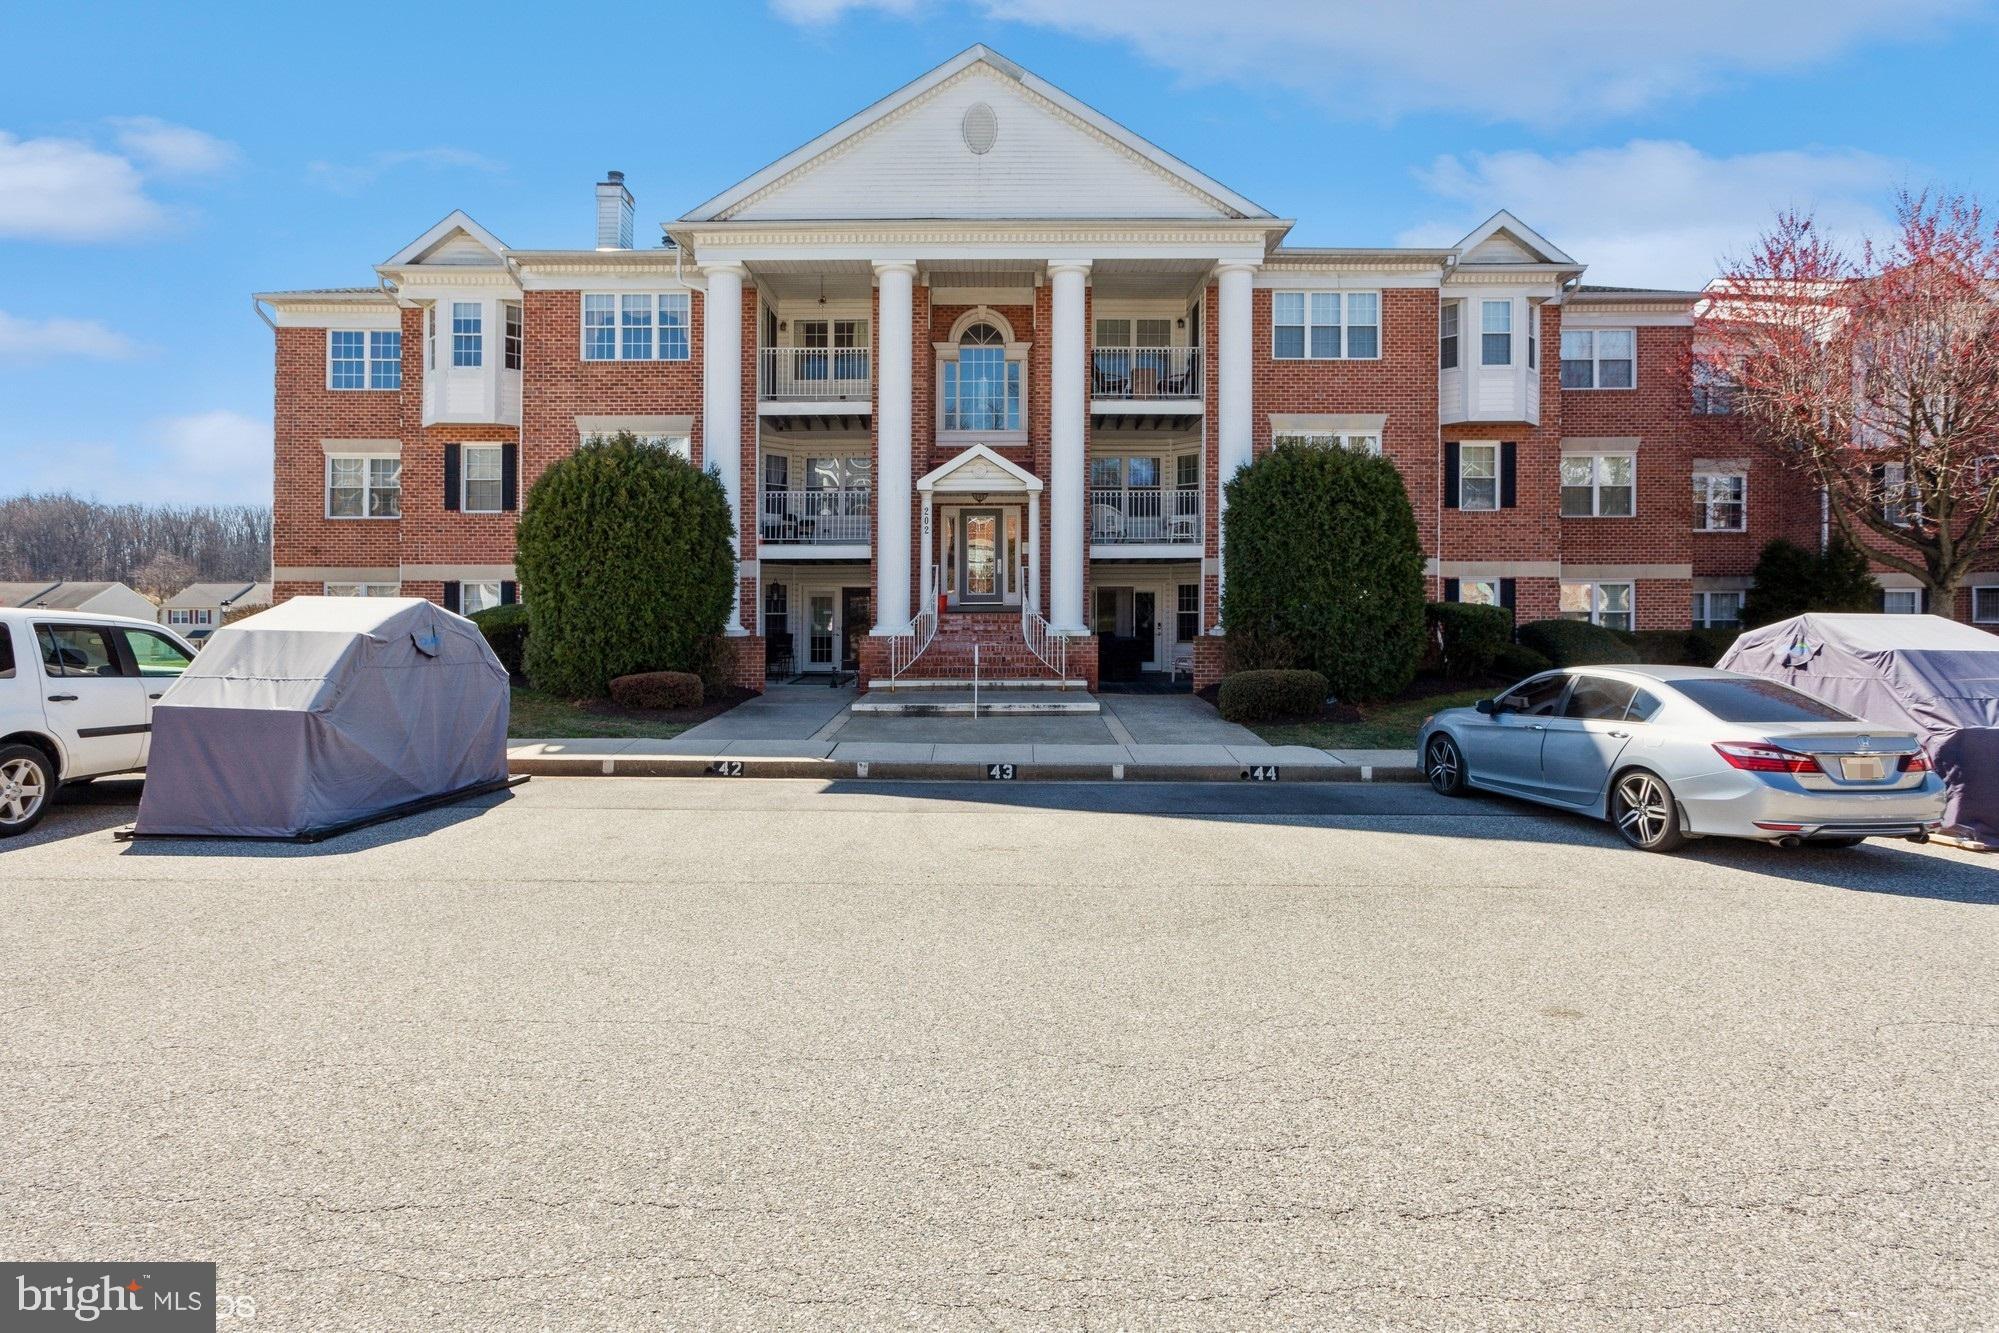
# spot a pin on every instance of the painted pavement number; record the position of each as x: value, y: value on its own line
x: 999, y: 772
x: 727, y: 768
x: 1260, y: 773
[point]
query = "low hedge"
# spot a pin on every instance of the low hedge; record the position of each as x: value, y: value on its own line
x: 1568, y: 643
x: 1665, y: 647
x: 1272, y: 696
x: 1517, y: 662
x: 1466, y: 636
x: 1705, y: 647
x: 664, y: 690
x: 506, y: 631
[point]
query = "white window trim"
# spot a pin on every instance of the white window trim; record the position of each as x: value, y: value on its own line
x: 1709, y: 476
x: 455, y: 335
x: 1916, y: 593
x: 1704, y: 607
x: 1306, y: 295
x: 1456, y: 335
x: 1016, y: 352
x: 367, y: 475
x: 1512, y: 334
x: 1596, y: 384
x: 1992, y: 619
x: 617, y: 327
x: 1596, y: 486
x: 465, y: 476
x: 465, y: 607
x: 1494, y: 448
x: 367, y: 384
x: 1367, y: 442
x: 1596, y: 598
x: 367, y: 589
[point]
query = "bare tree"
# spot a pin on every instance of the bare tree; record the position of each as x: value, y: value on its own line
x: 164, y: 575
x: 58, y: 536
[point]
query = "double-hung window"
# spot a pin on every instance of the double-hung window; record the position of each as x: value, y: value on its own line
x: 1599, y: 485
x: 1325, y: 326
x: 1606, y: 604
x: 1478, y: 476
x: 1187, y: 613
x: 1447, y: 336
x: 1720, y: 502
x: 635, y: 326
x: 1902, y: 601
x: 1985, y: 605
x: 481, y: 483
x: 515, y: 334
x: 1717, y: 610
x: 1599, y: 358
x: 364, y: 486
x: 1479, y: 592
x: 476, y: 597
x: 468, y: 334
x: 364, y: 359
x: 1495, y: 333
x: 1900, y: 504
x: 1714, y: 391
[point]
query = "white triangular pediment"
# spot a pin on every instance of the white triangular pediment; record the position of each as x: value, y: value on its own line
x: 456, y: 240
x: 977, y: 138
x: 978, y: 469
x: 1505, y: 239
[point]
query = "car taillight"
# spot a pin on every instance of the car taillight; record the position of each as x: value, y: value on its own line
x: 1758, y: 757
x: 1915, y: 763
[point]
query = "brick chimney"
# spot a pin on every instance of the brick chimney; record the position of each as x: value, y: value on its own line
x: 614, y: 213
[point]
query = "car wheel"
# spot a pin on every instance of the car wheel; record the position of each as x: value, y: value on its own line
x: 1444, y: 766
x: 1645, y: 813
x: 26, y: 780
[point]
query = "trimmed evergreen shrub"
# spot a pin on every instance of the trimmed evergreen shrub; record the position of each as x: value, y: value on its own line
x: 506, y: 631
x: 1468, y: 636
x: 1517, y: 662
x: 657, y: 689
x: 1272, y: 696
x: 1325, y: 570
x: 1790, y: 580
x: 628, y: 550
x: 1568, y: 643
x: 1705, y: 647
x: 1664, y: 647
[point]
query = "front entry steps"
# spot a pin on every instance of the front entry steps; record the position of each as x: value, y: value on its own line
x: 1013, y: 698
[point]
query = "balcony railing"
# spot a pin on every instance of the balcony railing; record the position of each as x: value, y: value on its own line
x: 817, y: 516
x: 1145, y: 373
x: 1145, y: 516
x: 813, y: 374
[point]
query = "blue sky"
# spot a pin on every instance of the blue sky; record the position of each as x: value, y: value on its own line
x: 156, y: 170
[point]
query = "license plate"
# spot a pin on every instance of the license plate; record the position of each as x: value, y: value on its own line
x: 1862, y: 768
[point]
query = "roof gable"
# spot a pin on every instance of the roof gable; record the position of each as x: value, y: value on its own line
x: 1505, y: 239
x: 977, y: 137
x: 456, y: 240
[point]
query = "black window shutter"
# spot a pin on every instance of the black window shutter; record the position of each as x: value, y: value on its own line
x: 1451, y: 478
x: 510, y: 477
x: 451, y: 473
x: 1506, y: 593
x: 1450, y: 590
x: 510, y: 592
x: 452, y: 601
x: 1509, y: 486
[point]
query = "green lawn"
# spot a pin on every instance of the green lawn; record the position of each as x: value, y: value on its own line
x: 1389, y: 726
x: 540, y: 716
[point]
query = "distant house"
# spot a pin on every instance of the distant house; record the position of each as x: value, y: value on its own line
x: 111, y: 599
x: 198, y: 608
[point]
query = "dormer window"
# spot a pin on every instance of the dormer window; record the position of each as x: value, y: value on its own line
x: 982, y: 380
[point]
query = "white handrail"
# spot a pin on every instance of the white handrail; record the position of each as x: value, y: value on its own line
x: 1040, y: 636
x: 975, y: 679
x: 904, y: 649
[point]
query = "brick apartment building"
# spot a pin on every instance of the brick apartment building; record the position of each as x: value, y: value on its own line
x: 980, y: 349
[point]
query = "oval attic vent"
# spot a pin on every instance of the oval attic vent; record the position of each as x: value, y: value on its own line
x: 981, y: 128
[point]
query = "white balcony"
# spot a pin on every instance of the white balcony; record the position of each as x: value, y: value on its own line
x: 831, y: 520
x: 1145, y: 516
x: 827, y: 380
x: 1151, y: 379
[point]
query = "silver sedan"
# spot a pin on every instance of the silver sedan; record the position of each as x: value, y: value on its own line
x: 1670, y: 753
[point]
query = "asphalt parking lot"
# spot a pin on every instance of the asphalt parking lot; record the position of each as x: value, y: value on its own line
x: 627, y: 1053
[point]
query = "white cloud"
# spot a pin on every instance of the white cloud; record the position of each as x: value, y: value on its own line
x: 1655, y: 213
x: 1374, y: 61
x: 167, y: 149
x: 67, y: 190
x: 25, y: 339
x: 347, y: 178
x: 217, y: 457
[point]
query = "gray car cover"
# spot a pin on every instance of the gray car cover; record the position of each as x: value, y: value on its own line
x: 1926, y: 674
x: 323, y: 711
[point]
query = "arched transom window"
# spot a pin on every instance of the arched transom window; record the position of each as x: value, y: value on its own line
x: 981, y: 381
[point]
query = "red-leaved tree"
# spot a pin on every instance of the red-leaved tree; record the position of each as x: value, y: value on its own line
x: 1876, y: 375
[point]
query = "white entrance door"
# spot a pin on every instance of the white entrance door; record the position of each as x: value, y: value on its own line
x: 821, y: 633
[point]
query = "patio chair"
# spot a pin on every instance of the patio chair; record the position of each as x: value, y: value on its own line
x: 1106, y: 523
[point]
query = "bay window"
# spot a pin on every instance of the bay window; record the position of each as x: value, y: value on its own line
x: 1447, y: 336
x: 468, y: 337
x: 1495, y: 333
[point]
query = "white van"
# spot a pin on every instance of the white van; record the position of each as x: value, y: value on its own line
x: 76, y: 701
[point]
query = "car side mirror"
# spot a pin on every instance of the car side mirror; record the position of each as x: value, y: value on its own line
x: 1487, y: 706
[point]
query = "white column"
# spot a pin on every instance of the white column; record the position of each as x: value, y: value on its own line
x: 722, y: 403
x: 1233, y: 390
x: 1034, y: 550
x: 1066, y: 434
x: 893, y: 428
x: 926, y: 543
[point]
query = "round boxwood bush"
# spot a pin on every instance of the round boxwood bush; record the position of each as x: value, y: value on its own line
x: 1468, y: 636
x: 1324, y: 569
x: 1568, y: 643
x: 628, y: 552
x: 506, y: 631
x: 1517, y: 662
x: 1272, y: 696
x: 657, y: 689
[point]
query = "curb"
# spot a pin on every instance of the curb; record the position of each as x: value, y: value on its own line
x: 692, y: 766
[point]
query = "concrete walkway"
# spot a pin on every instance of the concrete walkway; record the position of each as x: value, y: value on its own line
x: 810, y: 730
